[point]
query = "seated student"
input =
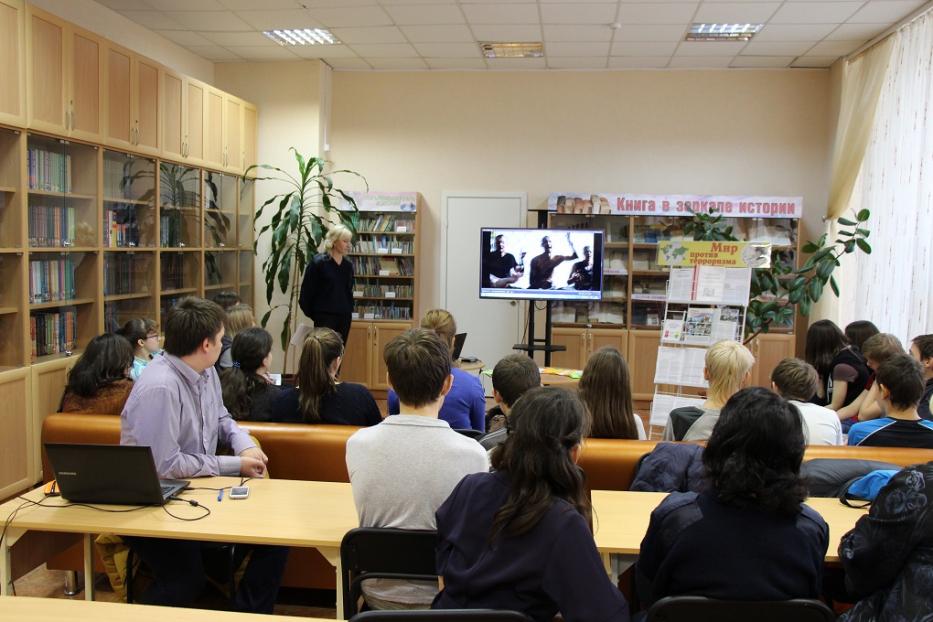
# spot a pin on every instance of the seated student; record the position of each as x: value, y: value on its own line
x: 238, y: 317
x: 521, y: 538
x: 247, y: 391
x: 886, y: 557
x: 858, y: 331
x: 728, y: 369
x: 99, y: 383
x: 606, y: 389
x: 143, y: 335
x: 319, y: 396
x: 841, y: 367
x: 748, y: 536
x: 900, y: 387
x: 465, y: 405
x: 921, y: 348
x: 876, y: 350
x: 795, y: 380
x: 176, y: 409
x: 227, y: 299
x: 402, y: 469
x: 511, y: 378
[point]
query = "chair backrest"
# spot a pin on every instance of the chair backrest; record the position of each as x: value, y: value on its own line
x: 370, y: 553
x: 474, y: 434
x: 442, y: 615
x: 693, y: 608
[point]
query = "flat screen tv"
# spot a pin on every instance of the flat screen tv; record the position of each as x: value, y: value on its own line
x: 541, y: 264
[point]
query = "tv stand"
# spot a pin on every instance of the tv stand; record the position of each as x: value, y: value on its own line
x: 539, y: 344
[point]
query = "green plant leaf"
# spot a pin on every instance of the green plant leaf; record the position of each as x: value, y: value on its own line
x: 834, y: 286
x: 804, y: 307
x: 850, y: 246
x: 285, y: 268
x: 825, y: 268
x: 846, y: 222
x: 265, y: 318
x: 864, y: 245
x: 863, y: 232
x: 815, y: 289
x: 863, y: 215
x: 810, y: 247
x: 286, y: 333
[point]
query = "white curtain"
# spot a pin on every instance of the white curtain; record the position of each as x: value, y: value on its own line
x: 893, y: 287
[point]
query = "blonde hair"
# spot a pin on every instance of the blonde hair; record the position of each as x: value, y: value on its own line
x: 337, y: 232
x: 727, y: 365
x: 239, y: 318
x: 321, y: 348
x: 442, y: 323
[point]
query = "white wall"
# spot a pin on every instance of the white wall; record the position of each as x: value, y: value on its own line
x: 111, y: 25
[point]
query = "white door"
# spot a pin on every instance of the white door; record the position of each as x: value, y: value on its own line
x: 492, y: 326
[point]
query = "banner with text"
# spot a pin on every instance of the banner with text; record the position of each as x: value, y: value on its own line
x: 722, y: 254
x: 383, y: 201
x: 675, y: 205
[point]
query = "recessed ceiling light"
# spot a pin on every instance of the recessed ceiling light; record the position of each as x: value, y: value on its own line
x: 722, y: 32
x: 513, y: 50
x: 301, y: 36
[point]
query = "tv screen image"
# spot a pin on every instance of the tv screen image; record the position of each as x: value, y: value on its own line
x: 541, y: 264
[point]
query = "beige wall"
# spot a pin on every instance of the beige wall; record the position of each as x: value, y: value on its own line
x: 716, y: 132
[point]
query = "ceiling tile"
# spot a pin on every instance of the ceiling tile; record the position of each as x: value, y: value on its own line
x: 352, y: 16
x: 814, y: 61
x: 577, y: 33
x: 710, y: 48
x: 735, y: 12
x: 246, y: 5
x: 397, y: 63
x: 777, y: 48
x: 834, y: 48
x: 214, y: 52
x: 638, y: 62
x: 507, y: 33
x: 209, y: 20
x: 448, y: 50
x: 516, y: 64
x: 153, y: 20
x: 851, y: 32
x: 455, y: 63
x: 799, y: 32
x: 228, y: 39
x: 330, y: 4
x: 574, y: 13
x: 577, y: 1
x: 393, y: 2
x: 643, y: 48
x: 656, y: 13
x: 126, y: 5
x: 762, y: 61
x: 385, y: 50
x: 815, y: 12
x: 578, y: 48
x: 499, y: 14
x: 718, y: 1
x: 262, y: 52
x: 343, y: 64
x: 425, y: 14
x: 651, y: 33
x: 279, y: 18
x: 889, y: 11
x: 373, y: 34
x: 700, y: 62
x: 323, y: 51
x: 452, y: 33
x: 584, y: 62
x: 186, y: 5
x: 184, y: 37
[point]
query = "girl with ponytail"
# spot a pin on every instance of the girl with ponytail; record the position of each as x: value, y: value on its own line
x: 248, y: 394
x: 521, y: 538
x: 319, y: 396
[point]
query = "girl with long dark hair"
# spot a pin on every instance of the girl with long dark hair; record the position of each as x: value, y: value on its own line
x: 246, y: 388
x: 842, y: 368
x: 99, y: 383
x: 606, y: 390
x: 520, y: 538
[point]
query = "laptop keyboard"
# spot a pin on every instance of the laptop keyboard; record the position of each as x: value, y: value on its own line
x: 167, y: 489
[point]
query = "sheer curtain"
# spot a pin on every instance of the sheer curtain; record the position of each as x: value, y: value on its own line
x: 893, y: 286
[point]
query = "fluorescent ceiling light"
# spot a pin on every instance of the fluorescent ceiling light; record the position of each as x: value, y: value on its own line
x: 301, y: 36
x: 722, y: 32
x: 513, y: 50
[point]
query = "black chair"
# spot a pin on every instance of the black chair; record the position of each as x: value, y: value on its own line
x: 371, y: 553
x: 442, y: 615
x: 699, y: 608
x: 474, y: 434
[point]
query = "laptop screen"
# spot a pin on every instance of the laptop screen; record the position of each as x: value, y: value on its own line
x: 459, y: 339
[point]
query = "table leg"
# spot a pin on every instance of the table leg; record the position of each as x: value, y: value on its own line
x: 332, y: 555
x: 88, y: 566
x: 6, y: 560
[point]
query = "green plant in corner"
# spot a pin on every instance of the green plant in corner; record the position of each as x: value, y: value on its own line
x: 297, y: 228
x: 778, y: 290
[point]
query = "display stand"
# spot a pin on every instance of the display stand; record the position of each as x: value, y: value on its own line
x: 703, y: 305
x: 539, y: 344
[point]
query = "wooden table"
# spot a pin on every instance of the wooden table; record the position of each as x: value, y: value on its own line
x: 277, y: 512
x: 563, y: 382
x: 620, y: 519
x: 63, y: 610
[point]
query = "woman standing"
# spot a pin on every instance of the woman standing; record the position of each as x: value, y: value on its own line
x: 327, y: 288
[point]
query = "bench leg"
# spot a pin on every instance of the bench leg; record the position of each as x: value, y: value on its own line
x: 88, y: 566
x: 6, y: 559
x: 71, y: 583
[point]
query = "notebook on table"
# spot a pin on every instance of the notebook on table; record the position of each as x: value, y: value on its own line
x: 109, y: 474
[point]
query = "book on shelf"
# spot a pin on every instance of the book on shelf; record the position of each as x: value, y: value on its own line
x: 51, y: 279
x: 374, y: 290
x: 49, y: 171
x: 384, y: 244
x: 120, y: 274
x: 173, y: 271
x: 387, y: 311
x: 121, y: 228
x: 53, y: 332
x: 171, y: 227
x: 387, y: 223
x: 51, y: 225
x: 384, y: 266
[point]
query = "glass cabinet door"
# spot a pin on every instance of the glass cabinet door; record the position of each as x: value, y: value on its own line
x: 179, y: 206
x: 129, y: 201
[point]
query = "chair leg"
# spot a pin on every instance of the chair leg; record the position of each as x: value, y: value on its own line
x: 232, y: 570
x: 72, y: 584
x: 128, y: 581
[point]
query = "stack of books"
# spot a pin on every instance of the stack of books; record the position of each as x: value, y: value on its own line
x: 51, y: 279
x: 53, y: 332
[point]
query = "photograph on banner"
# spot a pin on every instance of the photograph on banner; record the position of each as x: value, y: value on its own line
x: 729, y: 286
x: 673, y: 330
x: 721, y: 254
x: 681, y: 367
x: 620, y: 204
x: 698, y: 326
x: 663, y: 404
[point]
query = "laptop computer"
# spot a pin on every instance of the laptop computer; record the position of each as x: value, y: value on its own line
x: 459, y: 339
x: 109, y: 474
